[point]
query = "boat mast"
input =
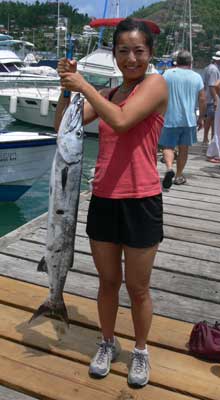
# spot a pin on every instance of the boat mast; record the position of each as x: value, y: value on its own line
x: 190, y: 28
x: 117, y: 8
x: 58, y: 28
x: 102, y: 28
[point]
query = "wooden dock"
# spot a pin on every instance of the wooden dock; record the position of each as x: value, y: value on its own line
x: 43, y: 361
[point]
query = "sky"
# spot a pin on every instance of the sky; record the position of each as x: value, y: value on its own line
x: 95, y: 8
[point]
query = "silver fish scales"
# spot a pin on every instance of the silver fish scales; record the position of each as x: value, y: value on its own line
x: 63, y: 207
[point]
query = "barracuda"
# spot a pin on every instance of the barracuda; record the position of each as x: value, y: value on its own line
x: 63, y: 207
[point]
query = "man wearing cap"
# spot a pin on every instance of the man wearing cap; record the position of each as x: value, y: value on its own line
x: 211, y: 75
x: 186, y: 89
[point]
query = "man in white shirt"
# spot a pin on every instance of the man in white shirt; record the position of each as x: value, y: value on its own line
x: 211, y: 76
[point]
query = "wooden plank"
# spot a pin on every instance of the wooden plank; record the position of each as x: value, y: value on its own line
x: 164, y: 280
x: 192, y: 204
x: 164, y: 260
x: 187, y: 265
x: 46, y: 376
x: 56, y: 378
x: 178, y: 247
x: 193, y: 250
x: 190, y: 235
x: 199, y: 190
x: 169, y: 369
x: 191, y: 213
x: 192, y: 223
x: 200, y: 170
x: 210, y: 199
x: 201, y: 183
x: 167, y: 261
x: 171, y: 232
x: 9, y: 394
x: 175, y: 219
x: 167, y: 303
x: 165, y: 332
x: 171, y: 219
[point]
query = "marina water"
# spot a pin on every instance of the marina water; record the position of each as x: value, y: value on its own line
x: 35, y: 201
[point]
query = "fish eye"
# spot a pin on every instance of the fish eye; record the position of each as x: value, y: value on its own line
x: 79, y: 134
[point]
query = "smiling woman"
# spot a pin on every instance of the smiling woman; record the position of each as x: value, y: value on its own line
x: 125, y: 212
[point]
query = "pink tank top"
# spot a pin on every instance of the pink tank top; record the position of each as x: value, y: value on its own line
x: 126, y: 165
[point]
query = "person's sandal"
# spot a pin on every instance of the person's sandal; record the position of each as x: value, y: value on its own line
x: 168, y: 179
x: 179, y: 180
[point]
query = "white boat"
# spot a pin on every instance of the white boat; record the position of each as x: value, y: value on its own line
x: 38, y: 105
x: 14, y: 72
x: 24, y: 158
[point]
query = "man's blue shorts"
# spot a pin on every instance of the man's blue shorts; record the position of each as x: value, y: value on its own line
x: 172, y: 137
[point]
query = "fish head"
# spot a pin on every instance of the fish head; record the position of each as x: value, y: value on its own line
x: 71, y: 132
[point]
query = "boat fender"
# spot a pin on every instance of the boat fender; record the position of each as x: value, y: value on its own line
x: 13, y: 104
x: 44, y: 106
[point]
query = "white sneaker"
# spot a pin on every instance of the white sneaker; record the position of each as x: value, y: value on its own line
x: 139, y: 371
x: 101, y: 363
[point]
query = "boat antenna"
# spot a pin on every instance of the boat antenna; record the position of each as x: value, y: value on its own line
x: 102, y: 28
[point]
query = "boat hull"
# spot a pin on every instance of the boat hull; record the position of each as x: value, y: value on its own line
x: 28, y: 110
x: 22, y: 162
x: 12, y: 192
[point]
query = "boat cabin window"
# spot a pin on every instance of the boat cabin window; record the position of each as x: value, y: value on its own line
x: 11, y: 67
x: 3, y: 68
x: 98, y: 81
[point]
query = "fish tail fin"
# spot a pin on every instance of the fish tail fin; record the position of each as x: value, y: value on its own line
x: 52, y: 310
x: 42, y: 265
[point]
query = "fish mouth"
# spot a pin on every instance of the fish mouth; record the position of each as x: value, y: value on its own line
x: 76, y: 159
x: 76, y: 162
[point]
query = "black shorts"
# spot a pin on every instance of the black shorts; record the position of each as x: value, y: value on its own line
x: 132, y: 222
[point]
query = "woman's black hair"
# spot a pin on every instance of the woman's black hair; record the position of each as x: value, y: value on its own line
x: 129, y: 25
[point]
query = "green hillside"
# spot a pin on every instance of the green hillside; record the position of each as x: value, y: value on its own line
x: 171, y: 13
x: 37, y: 22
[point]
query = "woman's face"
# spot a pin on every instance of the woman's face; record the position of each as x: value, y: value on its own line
x: 132, y: 54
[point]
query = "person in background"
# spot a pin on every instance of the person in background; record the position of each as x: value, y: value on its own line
x: 211, y: 75
x: 186, y: 89
x: 213, y: 151
x: 125, y: 212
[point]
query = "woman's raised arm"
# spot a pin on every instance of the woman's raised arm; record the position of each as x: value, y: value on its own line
x: 151, y: 96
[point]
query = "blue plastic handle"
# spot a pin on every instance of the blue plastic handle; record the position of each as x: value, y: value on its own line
x: 69, y: 56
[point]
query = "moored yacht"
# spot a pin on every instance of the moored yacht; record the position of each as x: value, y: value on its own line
x: 14, y: 72
x: 24, y: 158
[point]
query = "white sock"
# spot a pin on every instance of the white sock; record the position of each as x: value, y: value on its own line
x: 144, y: 351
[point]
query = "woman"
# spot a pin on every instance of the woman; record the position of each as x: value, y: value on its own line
x: 213, y: 151
x: 125, y: 213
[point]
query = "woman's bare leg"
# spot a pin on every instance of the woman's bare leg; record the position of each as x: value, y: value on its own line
x: 107, y: 259
x: 138, y: 267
